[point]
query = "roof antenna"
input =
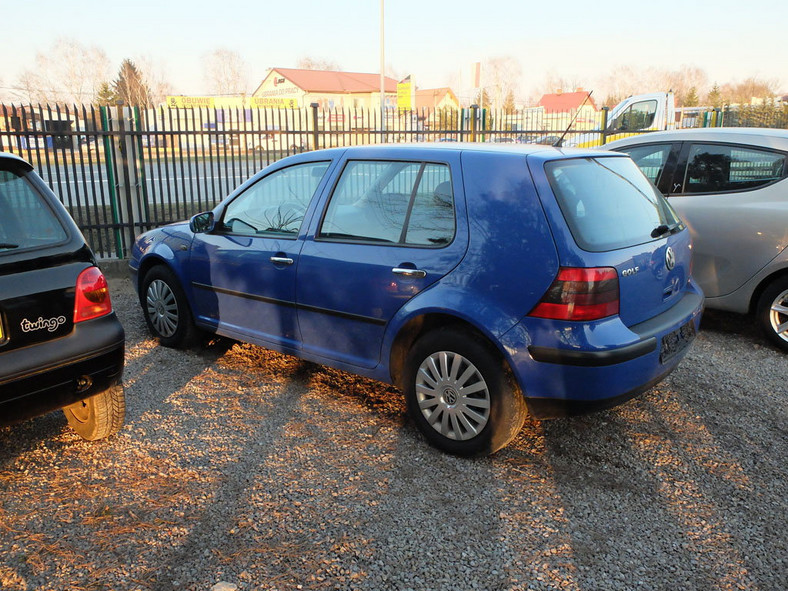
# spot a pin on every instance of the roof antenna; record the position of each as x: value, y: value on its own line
x: 560, y: 140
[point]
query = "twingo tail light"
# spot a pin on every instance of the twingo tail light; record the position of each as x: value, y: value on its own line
x: 580, y: 294
x: 92, y: 299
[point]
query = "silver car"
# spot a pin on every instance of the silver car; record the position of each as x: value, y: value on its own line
x: 729, y: 185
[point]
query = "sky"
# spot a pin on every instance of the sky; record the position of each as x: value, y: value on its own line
x: 434, y: 41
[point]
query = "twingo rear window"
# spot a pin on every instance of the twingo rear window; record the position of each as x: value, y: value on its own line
x: 26, y: 221
x: 608, y: 203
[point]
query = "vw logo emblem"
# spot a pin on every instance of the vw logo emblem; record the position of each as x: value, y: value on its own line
x: 670, y: 258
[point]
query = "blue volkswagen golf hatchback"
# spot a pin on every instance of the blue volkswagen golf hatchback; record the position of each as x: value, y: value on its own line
x: 487, y: 282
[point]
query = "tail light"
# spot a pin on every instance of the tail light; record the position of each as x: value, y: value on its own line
x: 92, y: 298
x: 580, y: 294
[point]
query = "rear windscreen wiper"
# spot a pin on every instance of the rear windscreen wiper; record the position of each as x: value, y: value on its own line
x: 664, y: 229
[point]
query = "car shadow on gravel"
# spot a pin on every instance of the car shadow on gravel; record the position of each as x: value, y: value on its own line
x: 668, y: 490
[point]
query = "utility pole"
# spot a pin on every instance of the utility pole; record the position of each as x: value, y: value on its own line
x: 382, y: 75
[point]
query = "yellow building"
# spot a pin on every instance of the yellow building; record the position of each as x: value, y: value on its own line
x: 295, y: 88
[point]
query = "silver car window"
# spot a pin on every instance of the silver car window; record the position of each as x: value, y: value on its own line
x: 714, y: 168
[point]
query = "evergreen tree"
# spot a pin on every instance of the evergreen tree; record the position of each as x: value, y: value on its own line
x: 714, y: 98
x: 483, y: 99
x: 105, y: 95
x: 691, y: 100
x: 508, y: 103
x: 130, y: 86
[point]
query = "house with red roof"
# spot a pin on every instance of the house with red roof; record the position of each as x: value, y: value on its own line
x: 297, y: 88
x: 563, y: 106
x: 436, y: 99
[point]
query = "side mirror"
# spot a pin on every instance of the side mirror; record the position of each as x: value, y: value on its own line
x: 202, y: 223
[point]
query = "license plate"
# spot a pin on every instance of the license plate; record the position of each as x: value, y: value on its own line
x: 675, y: 342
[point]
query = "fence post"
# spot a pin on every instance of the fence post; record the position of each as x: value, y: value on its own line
x: 474, y: 113
x: 109, y: 163
x: 129, y: 207
x: 315, y: 134
x: 605, y: 111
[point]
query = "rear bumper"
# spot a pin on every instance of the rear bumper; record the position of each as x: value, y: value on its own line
x: 603, y: 365
x: 48, y: 376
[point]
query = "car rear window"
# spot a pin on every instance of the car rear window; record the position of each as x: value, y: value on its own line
x: 607, y: 202
x: 27, y: 220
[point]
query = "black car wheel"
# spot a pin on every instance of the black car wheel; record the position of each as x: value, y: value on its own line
x: 100, y: 415
x: 166, y: 309
x: 461, y: 395
x: 772, y: 312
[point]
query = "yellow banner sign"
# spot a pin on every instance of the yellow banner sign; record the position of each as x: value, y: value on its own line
x: 186, y: 102
x: 404, y: 94
x: 274, y: 102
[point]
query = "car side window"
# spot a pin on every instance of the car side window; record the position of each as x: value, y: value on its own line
x: 650, y: 159
x: 713, y: 168
x: 406, y: 203
x: 275, y: 205
x: 26, y: 221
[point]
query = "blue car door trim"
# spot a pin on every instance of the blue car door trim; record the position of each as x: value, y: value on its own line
x: 328, y: 312
x: 348, y: 315
x: 241, y: 294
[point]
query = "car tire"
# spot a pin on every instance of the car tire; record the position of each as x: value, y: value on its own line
x: 481, y: 421
x: 772, y: 312
x: 166, y: 309
x: 100, y: 415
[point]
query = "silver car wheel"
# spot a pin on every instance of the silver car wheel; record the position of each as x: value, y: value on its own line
x: 452, y: 395
x: 778, y: 317
x: 162, y: 308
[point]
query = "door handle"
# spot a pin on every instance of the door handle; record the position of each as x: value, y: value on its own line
x: 281, y: 260
x: 418, y: 273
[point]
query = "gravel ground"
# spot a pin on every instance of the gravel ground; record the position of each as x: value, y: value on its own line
x: 243, y: 469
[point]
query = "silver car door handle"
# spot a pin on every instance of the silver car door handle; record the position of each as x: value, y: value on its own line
x: 281, y: 260
x: 409, y: 272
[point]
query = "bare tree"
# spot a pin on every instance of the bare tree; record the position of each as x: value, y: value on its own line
x: 555, y: 83
x: 743, y: 93
x: 683, y: 82
x: 624, y: 81
x: 500, y: 76
x: 68, y: 72
x: 311, y: 63
x: 225, y: 72
x: 155, y: 79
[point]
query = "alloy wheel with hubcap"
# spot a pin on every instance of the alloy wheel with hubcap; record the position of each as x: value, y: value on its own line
x: 162, y: 308
x: 452, y: 395
x: 461, y: 394
x: 773, y: 312
x: 166, y: 308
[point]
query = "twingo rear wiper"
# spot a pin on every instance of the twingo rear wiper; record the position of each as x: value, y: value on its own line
x: 663, y: 229
x: 8, y: 245
x: 560, y: 140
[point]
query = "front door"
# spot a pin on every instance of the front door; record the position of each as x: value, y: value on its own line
x: 244, y: 271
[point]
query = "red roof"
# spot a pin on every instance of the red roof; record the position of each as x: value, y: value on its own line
x: 565, y: 102
x: 337, y: 82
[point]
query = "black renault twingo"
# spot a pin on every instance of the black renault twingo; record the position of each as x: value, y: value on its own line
x: 61, y: 344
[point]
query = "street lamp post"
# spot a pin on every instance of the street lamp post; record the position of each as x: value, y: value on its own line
x: 382, y: 75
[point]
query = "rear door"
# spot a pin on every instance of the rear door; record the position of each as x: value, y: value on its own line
x: 391, y: 229
x: 733, y: 198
